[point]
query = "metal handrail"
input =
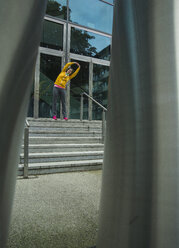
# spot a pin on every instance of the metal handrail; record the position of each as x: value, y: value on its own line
x: 103, y: 115
x: 26, y: 148
x: 27, y: 123
x: 84, y: 93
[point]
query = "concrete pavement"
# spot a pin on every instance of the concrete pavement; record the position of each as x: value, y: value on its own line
x: 56, y: 211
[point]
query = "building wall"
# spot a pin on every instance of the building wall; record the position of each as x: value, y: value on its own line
x: 74, y: 30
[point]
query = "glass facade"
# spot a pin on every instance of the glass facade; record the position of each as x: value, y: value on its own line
x: 78, y: 85
x: 52, y: 35
x: 108, y: 1
x: 50, y: 67
x: 84, y: 37
x: 57, y: 8
x: 90, y: 44
x: 100, y: 89
x: 94, y: 14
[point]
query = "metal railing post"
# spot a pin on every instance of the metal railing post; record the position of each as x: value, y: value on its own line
x: 81, y: 108
x: 61, y: 115
x: 103, y: 114
x: 103, y: 125
x: 26, y: 149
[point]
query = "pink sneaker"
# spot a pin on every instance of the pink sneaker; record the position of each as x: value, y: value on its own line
x: 65, y: 118
x: 54, y: 117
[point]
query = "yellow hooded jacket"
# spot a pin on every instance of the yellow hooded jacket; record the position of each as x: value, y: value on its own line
x: 63, y: 78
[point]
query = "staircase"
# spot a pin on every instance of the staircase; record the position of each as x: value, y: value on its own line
x: 63, y: 146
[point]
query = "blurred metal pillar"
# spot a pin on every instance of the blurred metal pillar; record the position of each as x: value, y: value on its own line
x: 140, y: 187
x: 20, y: 30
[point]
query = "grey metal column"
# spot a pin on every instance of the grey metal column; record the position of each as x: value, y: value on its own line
x: 36, y: 86
x: 103, y: 125
x: 67, y: 59
x: 67, y: 106
x: 20, y: 31
x: 140, y: 187
x: 68, y: 100
x: 81, y: 107
x: 26, y: 151
x: 90, y: 104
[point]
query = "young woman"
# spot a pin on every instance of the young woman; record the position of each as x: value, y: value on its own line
x: 59, y: 88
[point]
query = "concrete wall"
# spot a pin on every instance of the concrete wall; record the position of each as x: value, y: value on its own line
x: 140, y: 199
x: 20, y: 29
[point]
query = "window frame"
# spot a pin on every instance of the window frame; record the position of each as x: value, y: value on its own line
x: 66, y: 57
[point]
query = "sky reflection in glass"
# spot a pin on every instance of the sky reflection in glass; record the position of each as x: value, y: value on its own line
x: 92, y: 13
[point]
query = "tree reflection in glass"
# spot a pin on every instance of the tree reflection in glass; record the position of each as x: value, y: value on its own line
x: 52, y: 35
x: 50, y: 67
x: 57, y: 8
x: 100, y: 89
x: 78, y: 85
x: 90, y: 44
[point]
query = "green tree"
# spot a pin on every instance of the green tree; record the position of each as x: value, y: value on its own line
x: 56, y: 9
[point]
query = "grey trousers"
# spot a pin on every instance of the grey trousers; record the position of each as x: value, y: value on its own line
x: 59, y: 92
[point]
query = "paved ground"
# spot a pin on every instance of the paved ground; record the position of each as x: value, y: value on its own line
x: 56, y: 211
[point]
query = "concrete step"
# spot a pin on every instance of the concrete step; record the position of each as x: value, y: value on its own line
x: 64, y: 140
x: 54, y: 133
x: 69, y: 120
x: 64, y: 147
x: 61, y: 146
x: 62, y: 156
x: 61, y: 123
x: 66, y: 129
x: 59, y: 167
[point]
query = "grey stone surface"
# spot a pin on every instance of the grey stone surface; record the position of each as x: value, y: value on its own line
x: 64, y: 140
x: 48, y: 127
x: 33, y: 148
x: 77, y: 121
x: 60, y: 167
x: 63, y: 156
x: 56, y: 211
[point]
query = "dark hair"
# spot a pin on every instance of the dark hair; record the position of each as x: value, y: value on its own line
x: 70, y: 68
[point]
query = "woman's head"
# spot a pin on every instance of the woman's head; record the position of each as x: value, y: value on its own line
x: 69, y: 70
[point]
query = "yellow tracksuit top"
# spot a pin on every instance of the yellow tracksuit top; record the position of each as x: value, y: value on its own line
x: 63, y: 79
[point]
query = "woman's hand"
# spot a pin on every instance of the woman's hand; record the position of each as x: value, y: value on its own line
x: 77, y: 64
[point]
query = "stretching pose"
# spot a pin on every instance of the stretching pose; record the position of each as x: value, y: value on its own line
x: 59, y: 88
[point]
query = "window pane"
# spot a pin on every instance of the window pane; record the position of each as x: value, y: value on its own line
x: 94, y: 14
x: 100, y: 89
x: 90, y: 44
x: 78, y: 85
x: 57, y: 8
x: 109, y: 1
x: 50, y: 67
x: 30, y: 112
x: 52, y: 35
